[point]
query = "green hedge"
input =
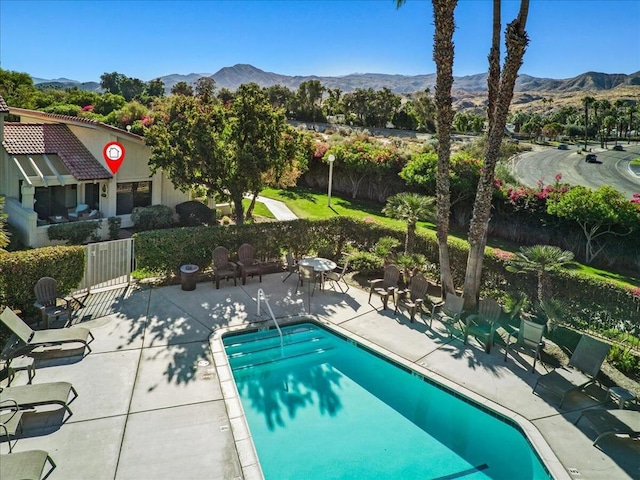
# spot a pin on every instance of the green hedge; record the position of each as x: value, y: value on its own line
x: 586, y: 298
x: 19, y: 272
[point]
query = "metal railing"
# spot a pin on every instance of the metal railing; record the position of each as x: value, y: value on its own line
x: 263, y: 297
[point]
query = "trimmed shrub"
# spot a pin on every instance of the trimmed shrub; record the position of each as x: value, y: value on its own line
x: 19, y: 272
x: 194, y: 213
x: 114, y: 227
x: 365, y: 262
x: 75, y: 233
x: 152, y: 218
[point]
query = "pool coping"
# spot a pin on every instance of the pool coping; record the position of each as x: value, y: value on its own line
x: 249, y: 460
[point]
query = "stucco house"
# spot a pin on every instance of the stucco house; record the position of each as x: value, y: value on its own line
x: 52, y: 171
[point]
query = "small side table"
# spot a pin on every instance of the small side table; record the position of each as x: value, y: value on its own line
x: 621, y: 396
x: 20, y: 363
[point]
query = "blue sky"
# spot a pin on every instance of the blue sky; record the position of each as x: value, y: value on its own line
x: 81, y: 39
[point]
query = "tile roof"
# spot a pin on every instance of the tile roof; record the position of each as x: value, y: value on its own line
x: 68, y: 119
x: 4, y: 108
x: 42, y: 139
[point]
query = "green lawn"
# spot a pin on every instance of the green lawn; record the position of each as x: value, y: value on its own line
x: 306, y: 203
x: 260, y: 209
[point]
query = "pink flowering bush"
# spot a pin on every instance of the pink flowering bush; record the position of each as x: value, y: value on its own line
x: 502, y: 255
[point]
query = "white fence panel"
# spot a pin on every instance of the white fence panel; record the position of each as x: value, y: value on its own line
x: 108, y: 264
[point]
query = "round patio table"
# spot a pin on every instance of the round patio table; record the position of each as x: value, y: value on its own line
x: 320, y: 265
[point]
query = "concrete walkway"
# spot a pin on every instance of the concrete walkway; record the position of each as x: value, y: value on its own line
x: 278, y: 208
x: 156, y: 401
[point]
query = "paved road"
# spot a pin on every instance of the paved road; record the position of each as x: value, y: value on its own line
x: 613, y: 169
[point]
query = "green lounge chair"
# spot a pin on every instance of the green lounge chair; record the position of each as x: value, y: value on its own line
x: 27, y: 465
x: 30, y: 339
x: 582, y: 370
x: 483, y: 325
x: 37, y: 394
x: 528, y: 337
x: 612, y: 422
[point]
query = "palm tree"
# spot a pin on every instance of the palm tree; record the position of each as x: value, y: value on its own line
x: 411, y: 208
x: 586, y: 101
x: 443, y: 11
x: 516, y: 44
x: 631, y: 109
x: 541, y: 259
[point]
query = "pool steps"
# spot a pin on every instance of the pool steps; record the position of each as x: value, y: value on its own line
x: 274, y: 358
x: 249, y: 353
x: 233, y: 345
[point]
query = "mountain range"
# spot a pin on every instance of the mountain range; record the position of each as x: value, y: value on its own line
x: 233, y: 77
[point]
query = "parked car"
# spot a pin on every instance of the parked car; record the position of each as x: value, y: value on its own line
x: 591, y: 158
x: 618, y: 148
x: 563, y: 146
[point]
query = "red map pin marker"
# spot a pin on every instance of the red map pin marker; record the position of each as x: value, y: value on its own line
x: 113, y: 153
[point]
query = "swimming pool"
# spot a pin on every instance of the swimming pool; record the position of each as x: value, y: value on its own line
x: 319, y: 406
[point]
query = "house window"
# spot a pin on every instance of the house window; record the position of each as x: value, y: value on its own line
x: 54, y: 200
x: 132, y: 194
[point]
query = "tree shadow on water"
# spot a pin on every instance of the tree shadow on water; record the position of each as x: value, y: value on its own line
x: 283, y: 391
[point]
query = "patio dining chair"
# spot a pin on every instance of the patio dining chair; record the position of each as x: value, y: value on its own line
x: 527, y: 337
x: 483, y: 325
x: 449, y: 312
x: 582, y: 370
x: 222, y: 267
x: 249, y: 266
x: 336, y: 276
x: 386, y: 286
x: 292, y: 265
x: 413, y: 298
x: 50, y: 303
x: 307, y: 274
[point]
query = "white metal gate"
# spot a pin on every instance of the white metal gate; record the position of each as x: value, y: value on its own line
x: 108, y: 264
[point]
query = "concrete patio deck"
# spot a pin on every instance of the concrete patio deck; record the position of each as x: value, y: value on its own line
x: 154, y: 401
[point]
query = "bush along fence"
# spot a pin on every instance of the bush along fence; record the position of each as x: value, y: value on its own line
x: 19, y: 272
x: 589, y: 304
x: 588, y: 301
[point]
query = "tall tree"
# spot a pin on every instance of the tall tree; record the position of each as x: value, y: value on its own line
x: 443, y: 52
x: 223, y: 149
x: 111, y: 82
x: 516, y: 44
x: 309, y: 96
x: 17, y: 89
x: 631, y: 109
x: 425, y: 110
x: 155, y: 88
x: 182, y: 88
x: 587, y: 102
x: 205, y: 88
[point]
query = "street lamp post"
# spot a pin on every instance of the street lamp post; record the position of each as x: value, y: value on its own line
x: 331, y: 160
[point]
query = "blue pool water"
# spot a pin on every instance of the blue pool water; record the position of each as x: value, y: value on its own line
x: 321, y: 407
